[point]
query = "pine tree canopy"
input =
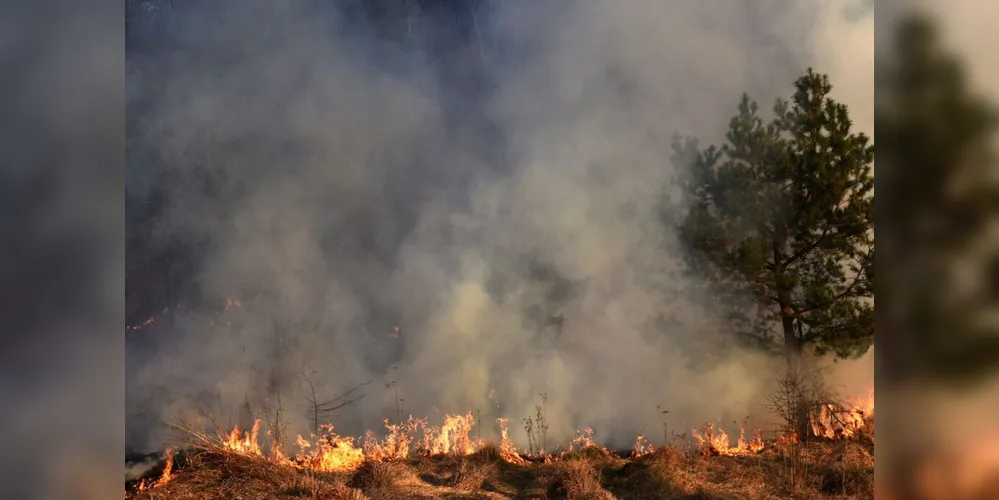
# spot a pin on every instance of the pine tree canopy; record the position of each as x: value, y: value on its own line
x: 778, y: 223
x: 941, y: 200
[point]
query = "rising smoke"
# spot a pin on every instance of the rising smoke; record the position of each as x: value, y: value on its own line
x: 471, y: 210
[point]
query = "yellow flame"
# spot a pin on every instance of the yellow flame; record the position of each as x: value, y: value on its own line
x: 584, y: 439
x: 833, y: 422
x: 507, y: 449
x: 396, y: 444
x: 244, y: 444
x: 331, y: 453
x: 712, y: 441
x: 167, y: 470
x: 642, y: 447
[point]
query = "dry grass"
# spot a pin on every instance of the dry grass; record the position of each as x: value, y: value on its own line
x: 835, y: 469
x: 377, y: 477
x: 218, y: 474
x: 848, y: 470
x: 470, y: 475
x: 462, y: 474
x: 577, y: 479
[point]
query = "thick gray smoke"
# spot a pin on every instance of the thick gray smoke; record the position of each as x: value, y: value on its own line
x: 379, y: 219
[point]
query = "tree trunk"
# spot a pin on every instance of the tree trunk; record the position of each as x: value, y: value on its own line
x: 793, y: 344
x: 794, y: 349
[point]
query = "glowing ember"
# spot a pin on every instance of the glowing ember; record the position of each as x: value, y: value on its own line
x: 230, y: 303
x: 785, y: 439
x: 144, y: 324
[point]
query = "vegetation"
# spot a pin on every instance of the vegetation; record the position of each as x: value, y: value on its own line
x: 839, y: 469
x: 941, y: 195
x: 779, y: 221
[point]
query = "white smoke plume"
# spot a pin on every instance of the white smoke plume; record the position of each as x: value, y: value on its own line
x: 479, y: 230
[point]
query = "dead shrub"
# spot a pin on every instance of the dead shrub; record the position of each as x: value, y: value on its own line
x: 577, y: 480
x: 865, y: 434
x: 849, y: 471
x: 798, y: 391
x: 594, y: 454
x: 489, y: 452
x: 670, y: 456
x: 374, y: 475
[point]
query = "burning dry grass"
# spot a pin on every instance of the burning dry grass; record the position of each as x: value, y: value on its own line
x: 417, y: 460
x: 221, y: 473
x: 712, y: 441
x: 235, y: 467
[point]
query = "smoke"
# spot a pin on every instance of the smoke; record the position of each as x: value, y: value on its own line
x: 477, y: 221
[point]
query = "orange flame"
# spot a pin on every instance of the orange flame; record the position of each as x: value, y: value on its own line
x: 507, y: 449
x: 642, y: 447
x: 165, y: 477
x: 167, y: 470
x: 842, y: 423
x: 244, y: 444
x: 711, y: 441
x: 450, y: 438
x: 396, y: 444
x: 332, y: 453
x: 584, y: 439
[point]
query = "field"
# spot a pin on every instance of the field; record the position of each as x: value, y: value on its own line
x: 446, y: 463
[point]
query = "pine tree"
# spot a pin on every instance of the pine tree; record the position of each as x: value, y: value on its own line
x: 941, y: 194
x: 778, y: 222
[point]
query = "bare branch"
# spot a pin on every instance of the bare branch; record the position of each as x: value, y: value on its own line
x: 336, y: 402
x: 340, y: 405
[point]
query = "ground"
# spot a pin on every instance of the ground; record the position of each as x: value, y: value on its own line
x: 820, y: 469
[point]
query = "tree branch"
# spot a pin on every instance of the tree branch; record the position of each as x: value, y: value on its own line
x: 340, y: 405
x: 816, y: 333
x: 837, y: 298
x: 336, y: 401
x: 804, y: 251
